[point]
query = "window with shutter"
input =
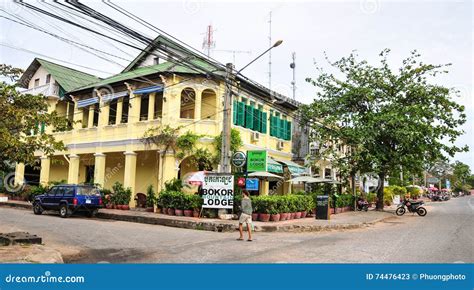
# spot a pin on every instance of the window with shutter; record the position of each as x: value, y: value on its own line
x: 248, y: 117
x: 234, y: 113
x: 257, y: 117
x: 264, y: 123
x: 240, y: 114
x: 42, y: 127
x: 288, y: 130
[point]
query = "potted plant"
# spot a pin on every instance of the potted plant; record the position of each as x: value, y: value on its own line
x: 255, y: 208
x: 196, y: 205
x: 127, y: 195
x: 264, y: 209
x: 179, y: 203
x: 298, y: 207
x: 273, y: 210
x: 188, y: 205
x: 150, y: 199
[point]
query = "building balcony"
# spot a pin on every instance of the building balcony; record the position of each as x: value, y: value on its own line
x: 49, y: 90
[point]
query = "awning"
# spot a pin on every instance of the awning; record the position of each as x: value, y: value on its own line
x: 293, y: 167
x: 273, y: 166
x: 147, y: 90
x: 110, y: 97
x: 87, y: 102
x: 266, y: 175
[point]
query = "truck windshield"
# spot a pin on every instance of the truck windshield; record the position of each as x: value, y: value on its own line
x: 82, y: 190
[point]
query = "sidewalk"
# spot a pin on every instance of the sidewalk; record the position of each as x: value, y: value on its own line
x: 347, y: 220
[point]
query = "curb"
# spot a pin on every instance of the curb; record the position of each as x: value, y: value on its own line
x: 219, y: 227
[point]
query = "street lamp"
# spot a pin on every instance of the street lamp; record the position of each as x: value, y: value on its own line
x: 270, y: 48
x: 226, y: 125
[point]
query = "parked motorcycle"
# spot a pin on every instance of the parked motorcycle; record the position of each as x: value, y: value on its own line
x: 362, y: 205
x: 412, y: 206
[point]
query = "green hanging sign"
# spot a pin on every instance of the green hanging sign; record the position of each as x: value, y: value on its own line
x: 256, y: 160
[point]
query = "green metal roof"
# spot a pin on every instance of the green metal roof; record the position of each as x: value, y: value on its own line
x: 149, y: 70
x: 66, y: 77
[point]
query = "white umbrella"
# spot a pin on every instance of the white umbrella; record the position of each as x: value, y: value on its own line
x: 267, y: 175
x: 307, y: 179
x: 194, y: 178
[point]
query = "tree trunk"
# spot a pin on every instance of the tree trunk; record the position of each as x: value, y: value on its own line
x: 379, y: 205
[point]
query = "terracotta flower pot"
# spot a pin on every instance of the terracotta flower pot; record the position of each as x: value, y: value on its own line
x: 196, y: 213
x: 125, y: 207
x: 164, y: 210
x: 292, y: 215
x: 171, y: 211
x: 150, y: 209
x: 178, y: 212
x: 109, y: 206
x: 188, y: 212
x: 288, y: 216
x: 331, y: 210
x: 304, y: 214
x: 264, y: 217
x: 275, y: 217
x: 118, y: 206
x: 254, y: 216
x: 297, y: 215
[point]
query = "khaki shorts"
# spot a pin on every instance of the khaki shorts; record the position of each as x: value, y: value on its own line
x: 245, y: 218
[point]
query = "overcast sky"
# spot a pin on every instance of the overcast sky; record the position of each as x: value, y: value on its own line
x: 441, y: 31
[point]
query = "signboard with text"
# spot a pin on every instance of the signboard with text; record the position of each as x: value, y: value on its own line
x: 256, y: 160
x: 218, y: 191
x: 251, y: 184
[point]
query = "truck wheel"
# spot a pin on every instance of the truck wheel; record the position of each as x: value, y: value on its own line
x: 92, y: 213
x: 37, y: 209
x: 64, y: 211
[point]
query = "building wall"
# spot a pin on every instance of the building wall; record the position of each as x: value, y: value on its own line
x: 41, y: 75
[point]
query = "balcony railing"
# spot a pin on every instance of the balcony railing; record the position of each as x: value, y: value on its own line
x: 47, y: 90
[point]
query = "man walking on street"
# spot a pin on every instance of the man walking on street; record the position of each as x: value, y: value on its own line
x: 245, y: 216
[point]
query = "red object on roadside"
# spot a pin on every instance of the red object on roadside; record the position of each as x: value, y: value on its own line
x: 241, y: 181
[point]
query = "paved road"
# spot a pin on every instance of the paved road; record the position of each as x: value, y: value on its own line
x: 445, y: 235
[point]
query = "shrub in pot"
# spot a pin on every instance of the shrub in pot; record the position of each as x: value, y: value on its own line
x: 196, y: 204
x: 273, y: 210
x: 150, y: 198
x: 262, y: 209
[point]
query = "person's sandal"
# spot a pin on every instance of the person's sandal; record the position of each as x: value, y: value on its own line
x: 239, y: 239
x: 249, y: 240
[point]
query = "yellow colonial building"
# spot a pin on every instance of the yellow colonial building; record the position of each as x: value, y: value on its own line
x: 109, y: 118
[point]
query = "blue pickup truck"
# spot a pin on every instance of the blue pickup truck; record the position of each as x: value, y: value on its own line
x: 68, y: 199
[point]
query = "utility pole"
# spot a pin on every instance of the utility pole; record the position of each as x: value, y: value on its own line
x: 293, y: 67
x: 226, y: 124
x: 270, y: 52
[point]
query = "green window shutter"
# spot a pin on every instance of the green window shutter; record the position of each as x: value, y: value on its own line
x: 264, y: 123
x: 42, y: 127
x: 280, y: 127
x: 272, y: 125
x: 257, y: 117
x: 288, y: 130
x: 240, y: 114
x: 234, y: 113
x: 248, y: 117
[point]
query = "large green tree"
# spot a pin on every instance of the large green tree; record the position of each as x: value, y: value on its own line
x: 22, y: 116
x: 460, y: 176
x: 394, y: 117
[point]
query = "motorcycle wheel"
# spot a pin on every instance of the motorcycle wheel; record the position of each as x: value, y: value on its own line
x: 400, y: 211
x: 366, y: 208
x: 421, y: 211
